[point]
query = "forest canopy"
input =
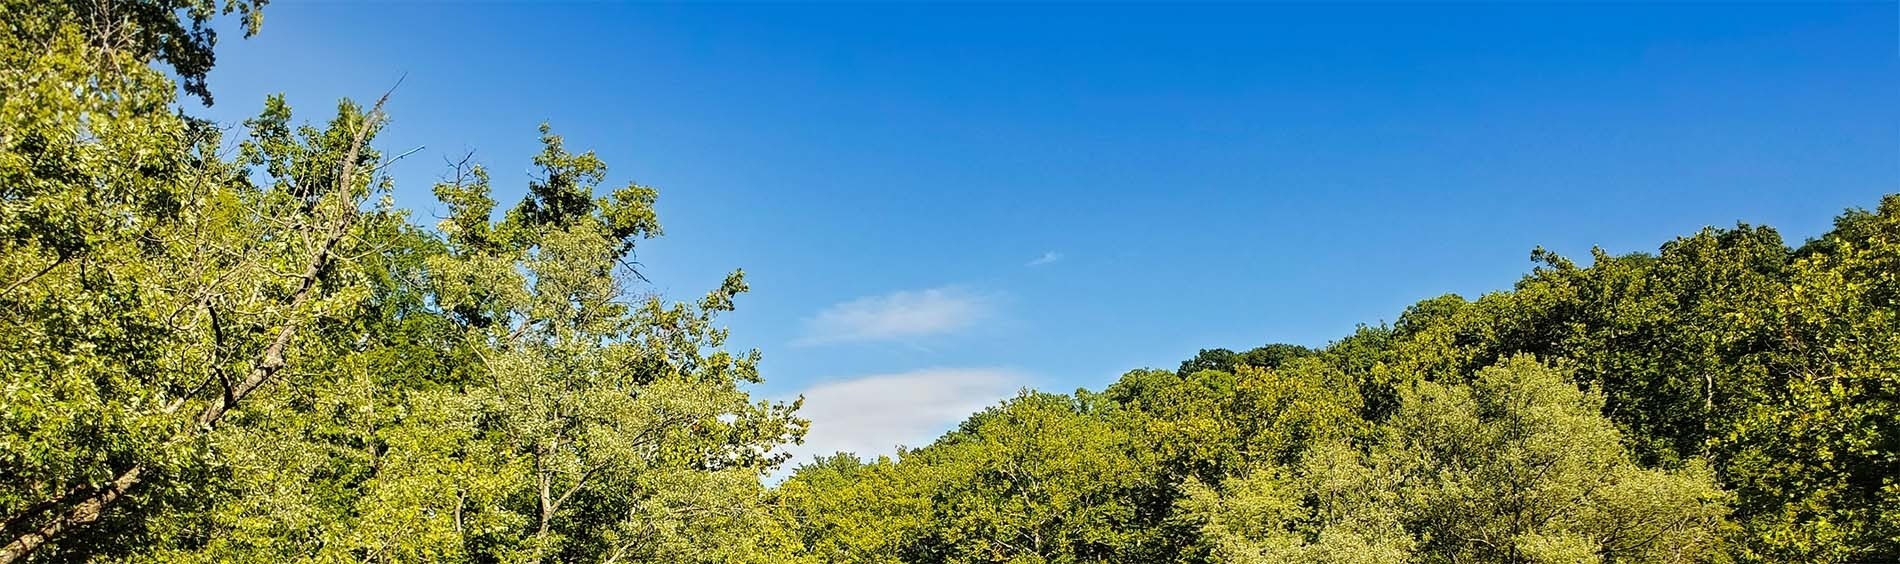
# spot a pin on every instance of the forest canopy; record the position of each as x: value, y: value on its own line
x: 231, y: 346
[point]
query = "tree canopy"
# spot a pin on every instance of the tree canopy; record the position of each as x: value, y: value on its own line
x: 239, y: 350
x: 230, y: 346
x: 1728, y: 398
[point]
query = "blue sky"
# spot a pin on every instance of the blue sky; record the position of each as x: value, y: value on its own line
x: 938, y: 204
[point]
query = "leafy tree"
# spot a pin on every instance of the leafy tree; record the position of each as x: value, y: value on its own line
x: 1040, y: 478
x: 241, y: 351
x: 155, y: 289
x: 1675, y: 341
x: 1210, y: 425
x: 849, y: 510
x: 1816, y: 465
x: 1223, y: 360
x: 1034, y: 480
x: 1518, y: 466
x: 604, y: 405
x: 1329, y: 509
x: 122, y: 36
x: 553, y: 418
x: 258, y: 358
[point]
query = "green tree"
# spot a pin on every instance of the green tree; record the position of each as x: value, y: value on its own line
x: 1032, y: 480
x: 154, y: 288
x: 612, y: 409
x: 1330, y: 508
x: 1518, y: 466
x: 849, y: 510
x: 259, y: 359
x: 1040, y: 478
x: 1267, y: 356
x: 122, y: 36
x: 1817, y: 463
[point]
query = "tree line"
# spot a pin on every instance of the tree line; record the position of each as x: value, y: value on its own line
x: 229, y: 345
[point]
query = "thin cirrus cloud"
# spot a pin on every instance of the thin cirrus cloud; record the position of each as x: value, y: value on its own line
x: 873, y: 415
x: 897, y: 316
x: 1046, y: 258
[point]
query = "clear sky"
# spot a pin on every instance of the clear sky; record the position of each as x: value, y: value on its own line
x: 939, y: 204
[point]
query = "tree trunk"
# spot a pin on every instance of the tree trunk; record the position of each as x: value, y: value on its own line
x: 85, y: 512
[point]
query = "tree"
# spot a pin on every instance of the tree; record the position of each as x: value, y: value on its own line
x: 241, y: 351
x: 1223, y: 360
x: 610, y: 408
x: 1518, y: 466
x: 1816, y: 465
x: 1040, y: 478
x: 1209, y: 359
x: 1212, y: 425
x: 848, y: 510
x: 218, y: 358
x: 155, y: 288
x: 123, y: 36
x: 1329, y: 509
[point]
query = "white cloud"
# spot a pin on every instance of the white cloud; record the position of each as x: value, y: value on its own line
x: 873, y: 415
x: 1046, y: 258
x: 898, y: 315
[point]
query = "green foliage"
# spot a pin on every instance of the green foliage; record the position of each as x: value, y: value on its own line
x: 848, y: 510
x: 152, y: 286
x: 1817, y: 465
x: 1268, y: 356
x: 1034, y: 480
x: 241, y: 352
x: 238, y: 350
x: 1037, y: 479
x: 1330, y: 508
x: 1520, y: 466
x: 178, y: 33
x: 1728, y: 398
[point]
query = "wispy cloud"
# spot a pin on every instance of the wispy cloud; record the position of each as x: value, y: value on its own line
x: 873, y: 415
x: 1046, y: 258
x: 896, y: 316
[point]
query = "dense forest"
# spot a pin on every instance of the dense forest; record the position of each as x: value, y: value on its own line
x: 226, y: 344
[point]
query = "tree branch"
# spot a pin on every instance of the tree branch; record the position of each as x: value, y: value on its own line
x: 270, y: 362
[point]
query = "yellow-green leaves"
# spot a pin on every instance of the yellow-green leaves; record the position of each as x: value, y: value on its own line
x: 1518, y: 466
